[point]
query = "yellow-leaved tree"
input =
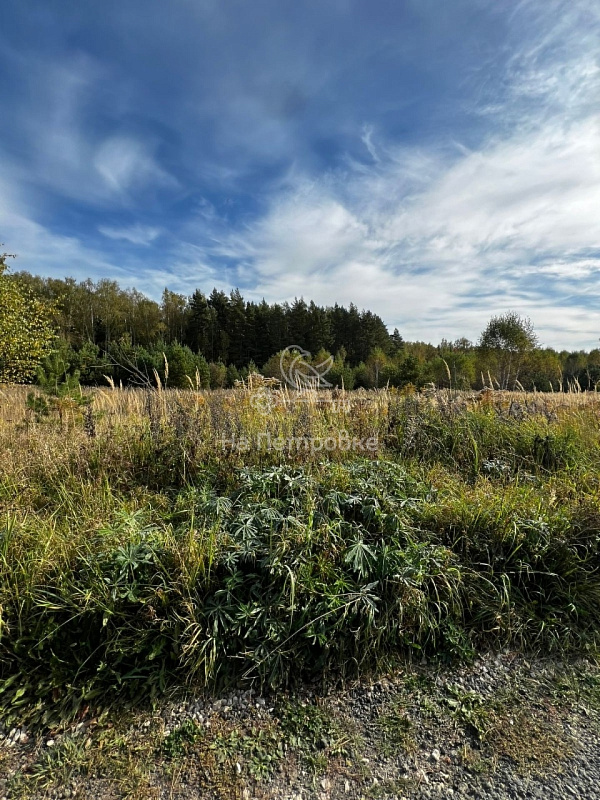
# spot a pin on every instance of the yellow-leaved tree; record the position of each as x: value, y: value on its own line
x: 26, y: 329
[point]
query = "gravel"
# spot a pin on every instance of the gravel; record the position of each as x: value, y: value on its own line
x: 546, y: 745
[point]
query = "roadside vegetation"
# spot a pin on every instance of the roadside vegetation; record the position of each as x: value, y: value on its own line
x: 141, y: 548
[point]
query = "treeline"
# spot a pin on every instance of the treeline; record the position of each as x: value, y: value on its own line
x: 104, y: 330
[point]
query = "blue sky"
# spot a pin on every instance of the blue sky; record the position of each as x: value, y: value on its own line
x: 435, y: 162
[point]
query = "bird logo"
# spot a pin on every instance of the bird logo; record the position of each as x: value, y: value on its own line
x: 299, y: 373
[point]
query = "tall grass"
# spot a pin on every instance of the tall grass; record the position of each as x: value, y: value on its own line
x: 140, y: 550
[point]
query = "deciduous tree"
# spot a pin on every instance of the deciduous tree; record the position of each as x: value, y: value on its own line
x: 504, y: 344
x: 26, y: 330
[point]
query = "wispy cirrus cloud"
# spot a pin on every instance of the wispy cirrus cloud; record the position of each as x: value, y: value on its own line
x: 73, y: 150
x: 126, y: 163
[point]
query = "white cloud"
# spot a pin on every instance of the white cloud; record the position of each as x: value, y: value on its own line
x: 65, y: 153
x: 41, y: 251
x: 125, y: 163
x: 367, y: 140
x: 525, y: 196
x: 136, y: 234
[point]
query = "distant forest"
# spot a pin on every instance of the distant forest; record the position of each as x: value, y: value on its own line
x: 104, y: 330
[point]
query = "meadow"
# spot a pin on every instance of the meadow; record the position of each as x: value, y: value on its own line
x: 153, y: 538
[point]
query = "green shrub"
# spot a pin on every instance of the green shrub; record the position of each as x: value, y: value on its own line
x: 295, y: 572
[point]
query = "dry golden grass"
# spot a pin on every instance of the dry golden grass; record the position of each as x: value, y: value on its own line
x: 125, y: 403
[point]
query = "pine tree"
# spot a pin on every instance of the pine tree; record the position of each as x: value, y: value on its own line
x: 198, y: 331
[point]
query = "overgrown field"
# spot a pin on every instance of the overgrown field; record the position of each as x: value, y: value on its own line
x: 161, y: 537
